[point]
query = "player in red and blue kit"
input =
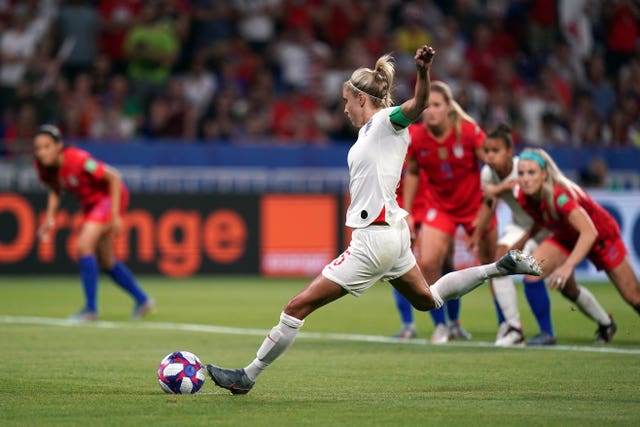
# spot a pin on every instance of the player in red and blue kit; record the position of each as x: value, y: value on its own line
x: 580, y: 229
x: 104, y: 199
x: 447, y: 146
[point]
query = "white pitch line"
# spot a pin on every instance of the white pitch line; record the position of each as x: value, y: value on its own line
x: 192, y: 327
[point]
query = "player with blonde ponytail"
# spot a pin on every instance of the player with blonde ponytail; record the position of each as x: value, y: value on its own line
x: 447, y: 146
x: 380, y: 248
x: 581, y: 228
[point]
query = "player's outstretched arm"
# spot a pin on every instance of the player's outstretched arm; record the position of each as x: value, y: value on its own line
x: 413, y: 108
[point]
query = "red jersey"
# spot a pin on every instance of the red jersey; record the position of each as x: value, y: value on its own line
x: 451, y: 167
x: 419, y: 207
x: 564, y: 203
x: 80, y: 174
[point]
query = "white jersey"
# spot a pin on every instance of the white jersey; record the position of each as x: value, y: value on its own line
x: 375, y: 164
x: 518, y: 215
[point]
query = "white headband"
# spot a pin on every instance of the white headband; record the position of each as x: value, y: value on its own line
x: 366, y: 93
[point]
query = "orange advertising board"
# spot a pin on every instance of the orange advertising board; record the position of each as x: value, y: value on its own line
x: 298, y: 234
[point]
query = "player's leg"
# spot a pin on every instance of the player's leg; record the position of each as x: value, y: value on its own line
x: 537, y: 294
x: 370, y: 255
x: 405, y: 310
x: 319, y: 292
x: 590, y: 307
x: 122, y: 276
x: 88, y: 238
x: 626, y: 281
x: 458, y: 283
x: 404, y: 307
x: 506, y: 302
x: 452, y: 306
x: 434, y: 245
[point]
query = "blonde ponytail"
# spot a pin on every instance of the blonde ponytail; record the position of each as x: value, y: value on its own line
x: 377, y: 83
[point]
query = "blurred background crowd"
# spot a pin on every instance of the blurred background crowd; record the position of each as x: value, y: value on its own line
x: 560, y: 72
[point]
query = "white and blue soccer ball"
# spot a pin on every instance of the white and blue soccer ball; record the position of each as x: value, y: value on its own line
x: 181, y: 372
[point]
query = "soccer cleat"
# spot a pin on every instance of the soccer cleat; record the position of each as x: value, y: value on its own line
x: 509, y: 336
x: 541, y: 339
x: 407, y: 332
x: 84, y: 316
x: 234, y: 380
x: 440, y: 334
x: 605, y: 333
x: 456, y: 331
x: 516, y: 262
x: 141, y: 310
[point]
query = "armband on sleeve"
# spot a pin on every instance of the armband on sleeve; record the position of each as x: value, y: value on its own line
x: 398, y: 118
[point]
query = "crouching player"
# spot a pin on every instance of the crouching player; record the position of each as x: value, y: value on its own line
x: 103, y: 198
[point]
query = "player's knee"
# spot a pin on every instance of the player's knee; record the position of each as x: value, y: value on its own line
x: 533, y: 281
x: 84, y: 248
x: 424, y: 304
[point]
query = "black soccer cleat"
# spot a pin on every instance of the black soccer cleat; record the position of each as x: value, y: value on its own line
x: 234, y: 380
x: 605, y: 333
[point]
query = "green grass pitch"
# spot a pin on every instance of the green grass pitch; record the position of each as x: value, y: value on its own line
x: 341, y: 371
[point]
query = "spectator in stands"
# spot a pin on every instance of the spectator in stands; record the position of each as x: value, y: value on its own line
x: 18, y: 135
x: 199, y: 85
x: 411, y: 33
x: 338, y: 20
x: 211, y: 24
x: 291, y: 41
x: 600, y: 88
x: 502, y: 107
x: 257, y: 22
x: 84, y: 103
x: 482, y: 56
x: 595, y: 175
x: 78, y: 23
x: 101, y: 73
x: 220, y: 123
x: 117, y: 17
x: 621, y: 20
x: 18, y: 44
x: 452, y: 46
x: 151, y: 47
x: 566, y: 65
x: 110, y: 124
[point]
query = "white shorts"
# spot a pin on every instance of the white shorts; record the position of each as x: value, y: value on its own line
x: 513, y: 233
x: 377, y: 252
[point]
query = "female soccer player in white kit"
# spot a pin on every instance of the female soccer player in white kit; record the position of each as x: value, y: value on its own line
x: 499, y: 176
x: 380, y: 248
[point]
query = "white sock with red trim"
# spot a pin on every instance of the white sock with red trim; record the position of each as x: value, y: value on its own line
x: 277, y: 342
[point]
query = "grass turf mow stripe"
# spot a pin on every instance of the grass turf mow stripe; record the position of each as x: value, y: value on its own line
x: 51, y: 321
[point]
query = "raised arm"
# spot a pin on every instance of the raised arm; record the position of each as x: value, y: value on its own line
x: 412, y: 108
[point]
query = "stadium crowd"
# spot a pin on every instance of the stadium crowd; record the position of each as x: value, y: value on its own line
x: 560, y: 72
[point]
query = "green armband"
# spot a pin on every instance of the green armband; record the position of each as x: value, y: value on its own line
x: 398, y: 118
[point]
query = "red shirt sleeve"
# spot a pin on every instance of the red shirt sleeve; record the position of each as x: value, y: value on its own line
x: 563, y: 202
x: 81, y: 162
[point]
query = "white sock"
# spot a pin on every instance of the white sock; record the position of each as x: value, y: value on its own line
x: 277, y: 341
x: 457, y: 283
x: 590, y: 306
x: 505, y: 293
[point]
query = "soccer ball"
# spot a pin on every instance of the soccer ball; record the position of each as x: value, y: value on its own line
x: 181, y: 372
